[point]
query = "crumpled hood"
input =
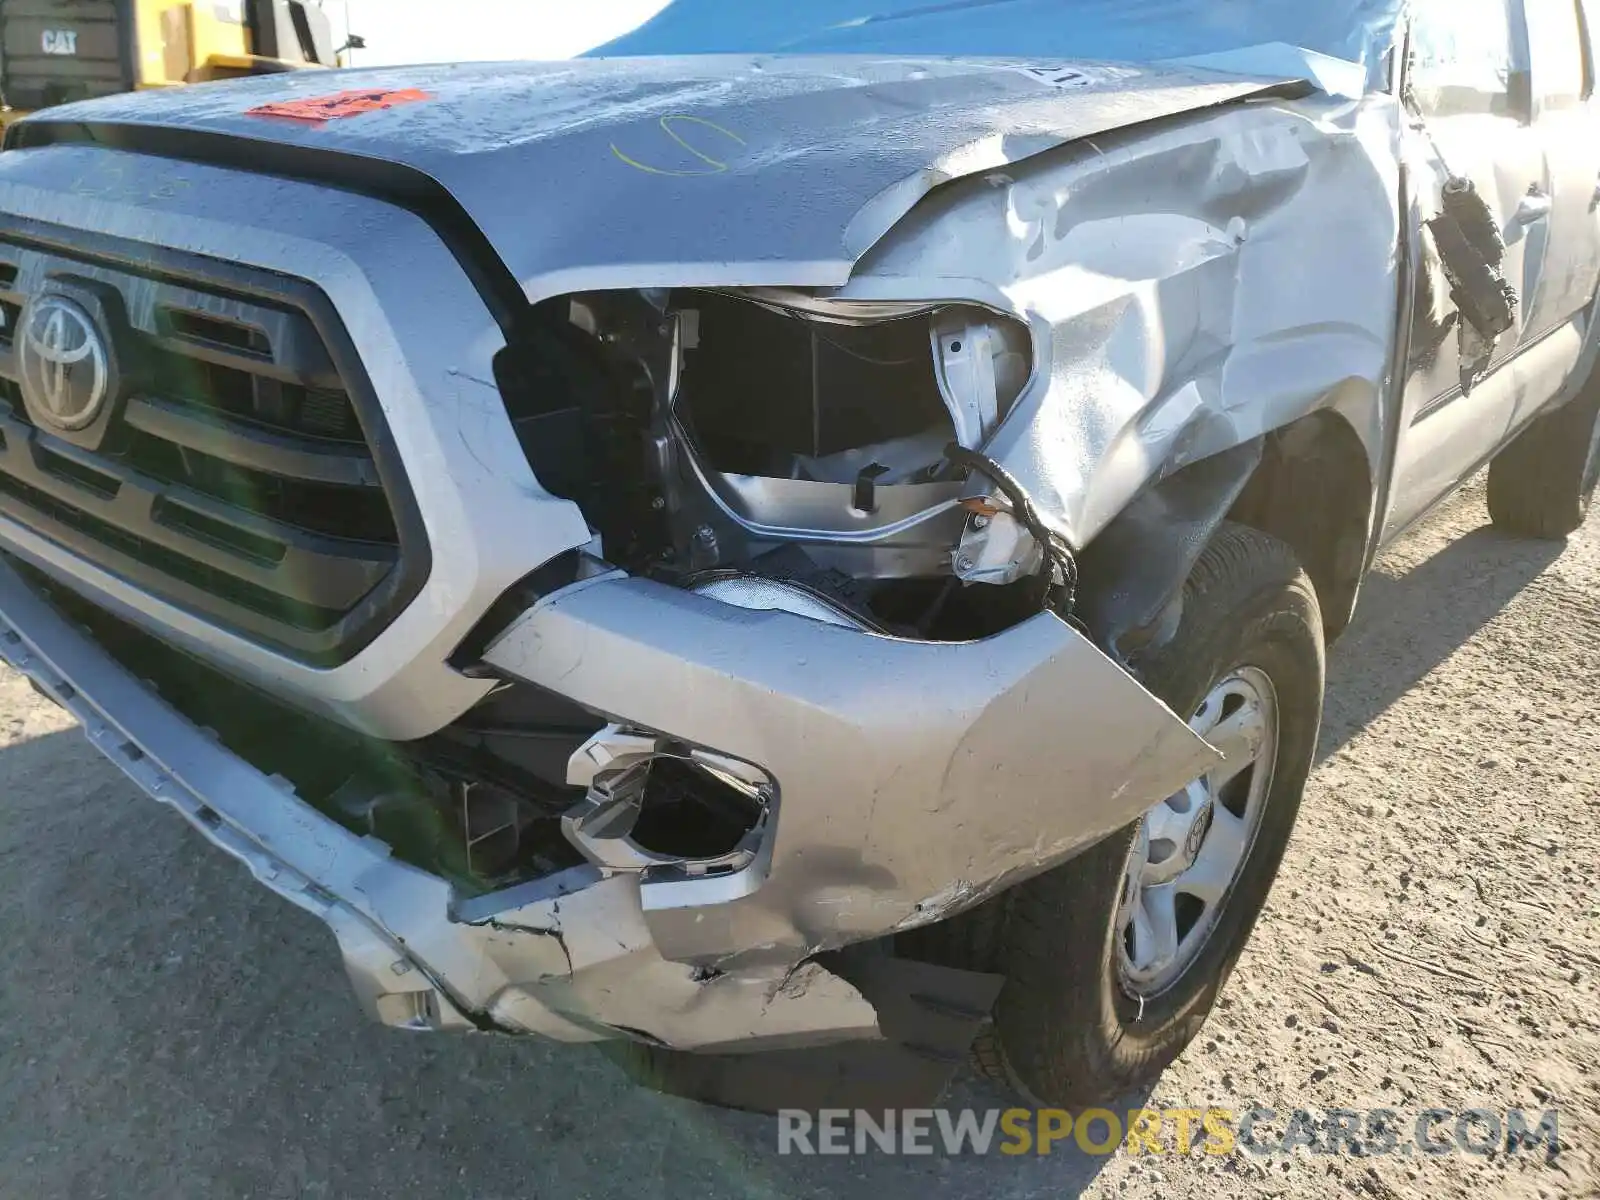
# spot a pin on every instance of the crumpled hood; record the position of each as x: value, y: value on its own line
x: 716, y: 170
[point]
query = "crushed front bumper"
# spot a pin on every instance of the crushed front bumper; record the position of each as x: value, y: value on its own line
x: 913, y: 780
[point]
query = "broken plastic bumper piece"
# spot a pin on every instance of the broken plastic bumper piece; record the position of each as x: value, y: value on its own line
x: 889, y: 784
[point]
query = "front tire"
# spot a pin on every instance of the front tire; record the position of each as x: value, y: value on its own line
x: 1541, y: 485
x: 1090, y: 1011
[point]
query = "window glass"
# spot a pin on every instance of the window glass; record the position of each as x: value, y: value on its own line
x: 1555, y: 38
x: 1461, y: 56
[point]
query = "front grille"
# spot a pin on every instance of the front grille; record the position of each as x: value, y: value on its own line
x: 242, y: 471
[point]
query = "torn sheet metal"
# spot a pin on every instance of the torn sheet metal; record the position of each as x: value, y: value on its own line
x: 1189, y: 289
x: 1032, y: 744
x: 709, y: 148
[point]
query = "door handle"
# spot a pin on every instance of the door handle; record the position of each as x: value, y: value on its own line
x: 1535, y: 206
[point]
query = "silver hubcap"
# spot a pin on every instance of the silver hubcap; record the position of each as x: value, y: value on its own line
x: 1192, y: 845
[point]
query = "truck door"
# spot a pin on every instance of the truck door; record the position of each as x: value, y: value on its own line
x: 1470, y: 114
x: 1567, y: 121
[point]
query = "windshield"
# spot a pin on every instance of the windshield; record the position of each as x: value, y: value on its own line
x: 1127, y: 30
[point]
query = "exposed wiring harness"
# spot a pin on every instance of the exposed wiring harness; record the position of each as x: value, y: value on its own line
x: 1061, y: 588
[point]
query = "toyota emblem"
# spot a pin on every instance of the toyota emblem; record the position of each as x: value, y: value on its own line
x: 65, y: 363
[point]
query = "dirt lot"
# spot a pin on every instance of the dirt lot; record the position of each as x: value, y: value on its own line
x: 168, y: 1030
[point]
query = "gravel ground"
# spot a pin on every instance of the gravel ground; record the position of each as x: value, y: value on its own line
x: 166, y: 1029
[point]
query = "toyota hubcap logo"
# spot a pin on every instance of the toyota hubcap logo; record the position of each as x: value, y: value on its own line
x: 1198, y: 831
x: 65, y: 363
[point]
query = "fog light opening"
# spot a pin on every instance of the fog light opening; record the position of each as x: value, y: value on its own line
x: 688, y: 811
x: 655, y: 804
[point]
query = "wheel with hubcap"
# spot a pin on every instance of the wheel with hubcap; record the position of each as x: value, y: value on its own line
x: 1190, y: 848
x: 1114, y: 959
x: 1542, y: 484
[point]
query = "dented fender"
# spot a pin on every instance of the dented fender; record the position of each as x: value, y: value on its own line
x: 1190, y: 288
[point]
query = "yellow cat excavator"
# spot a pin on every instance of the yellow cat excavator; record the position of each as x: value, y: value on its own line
x: 54, y: 51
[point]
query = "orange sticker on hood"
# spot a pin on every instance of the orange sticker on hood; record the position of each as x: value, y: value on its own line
x: 341, y: 105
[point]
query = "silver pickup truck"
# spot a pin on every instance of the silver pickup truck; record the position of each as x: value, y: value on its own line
x: 798, y: 564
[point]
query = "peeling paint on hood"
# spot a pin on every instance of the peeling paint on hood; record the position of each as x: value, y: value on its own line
x: 717, y: 170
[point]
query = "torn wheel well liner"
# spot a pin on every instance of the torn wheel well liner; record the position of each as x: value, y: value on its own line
x: 1133, y: 573
x: 1307, y: 484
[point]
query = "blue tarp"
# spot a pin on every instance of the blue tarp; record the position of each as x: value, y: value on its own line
x: 1116, y: 30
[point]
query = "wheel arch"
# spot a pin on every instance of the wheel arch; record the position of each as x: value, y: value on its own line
x: 1313, y: 489
x: 1308, y: 484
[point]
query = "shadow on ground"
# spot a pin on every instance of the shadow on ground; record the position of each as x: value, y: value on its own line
x: 1409, y: 622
